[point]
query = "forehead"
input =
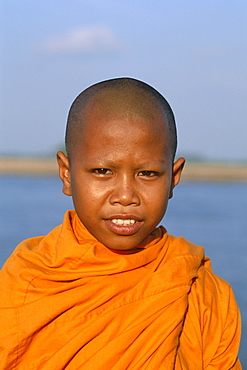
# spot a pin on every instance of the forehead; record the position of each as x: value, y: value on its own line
x: 132, y: 105
x: 121, y: 113
x: 122, y: 141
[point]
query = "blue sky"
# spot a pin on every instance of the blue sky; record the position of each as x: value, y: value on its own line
x: 193, y: 52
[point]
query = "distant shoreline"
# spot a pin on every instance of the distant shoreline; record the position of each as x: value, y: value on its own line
x: 193, y: 171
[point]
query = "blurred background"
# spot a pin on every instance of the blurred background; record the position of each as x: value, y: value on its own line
x: 193, y: 52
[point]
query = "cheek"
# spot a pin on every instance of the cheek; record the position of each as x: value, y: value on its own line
x: 157, y: 202
x: 88, y: 194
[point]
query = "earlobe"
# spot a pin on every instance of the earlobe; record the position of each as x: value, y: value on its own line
x: 64, y: 172
x: 176, y: 173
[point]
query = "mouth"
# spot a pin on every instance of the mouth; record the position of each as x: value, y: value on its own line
x: 123, y: 222
x: 123, y: 225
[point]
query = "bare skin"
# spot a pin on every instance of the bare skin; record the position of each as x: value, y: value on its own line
x: 121, y: 174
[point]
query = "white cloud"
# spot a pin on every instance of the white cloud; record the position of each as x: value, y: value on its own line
x: 86, y: 40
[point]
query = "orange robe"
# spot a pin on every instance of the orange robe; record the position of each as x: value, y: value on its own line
x: 68, y: 302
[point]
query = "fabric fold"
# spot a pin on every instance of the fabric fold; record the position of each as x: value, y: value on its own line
x: 75, y: 304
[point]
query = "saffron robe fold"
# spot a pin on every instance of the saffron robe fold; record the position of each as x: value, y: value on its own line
x: 68, y: 302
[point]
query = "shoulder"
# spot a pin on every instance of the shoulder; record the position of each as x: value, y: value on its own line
x: 211, y: 330
x: 206, y: 286
x: 24, y: 264
x: 36, y: 258
x: 213, y: 311
x: 209, y: 294
x: 212, y: 293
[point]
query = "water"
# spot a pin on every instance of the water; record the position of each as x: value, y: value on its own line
x: 211, y: 215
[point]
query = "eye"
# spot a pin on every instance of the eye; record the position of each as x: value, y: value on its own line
x: 102, y: 171
x: 149, y: 174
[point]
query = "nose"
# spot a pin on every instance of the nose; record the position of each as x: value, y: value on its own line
x: 125, y: 192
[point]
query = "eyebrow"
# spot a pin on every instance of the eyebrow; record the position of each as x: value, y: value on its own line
x: 100, y: 162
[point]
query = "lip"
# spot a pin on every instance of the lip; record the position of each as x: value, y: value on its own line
x: 124, y: 230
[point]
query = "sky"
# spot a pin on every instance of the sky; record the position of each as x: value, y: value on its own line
x: 193, y: 52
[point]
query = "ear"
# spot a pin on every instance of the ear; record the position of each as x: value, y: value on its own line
x: 64, y: 172
x: 176, y: 173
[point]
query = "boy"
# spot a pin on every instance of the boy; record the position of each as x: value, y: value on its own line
x: 107, y: 289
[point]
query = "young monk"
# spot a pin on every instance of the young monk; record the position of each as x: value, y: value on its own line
x: 108, y: 289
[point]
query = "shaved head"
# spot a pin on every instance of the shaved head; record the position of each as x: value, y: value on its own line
x: 120, y: 97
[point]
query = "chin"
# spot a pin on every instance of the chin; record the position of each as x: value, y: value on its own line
x: 127, y: 250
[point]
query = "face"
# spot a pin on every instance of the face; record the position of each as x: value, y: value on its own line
x: 121, y: 177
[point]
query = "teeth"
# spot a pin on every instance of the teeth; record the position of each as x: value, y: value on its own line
x: 121, y: 222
